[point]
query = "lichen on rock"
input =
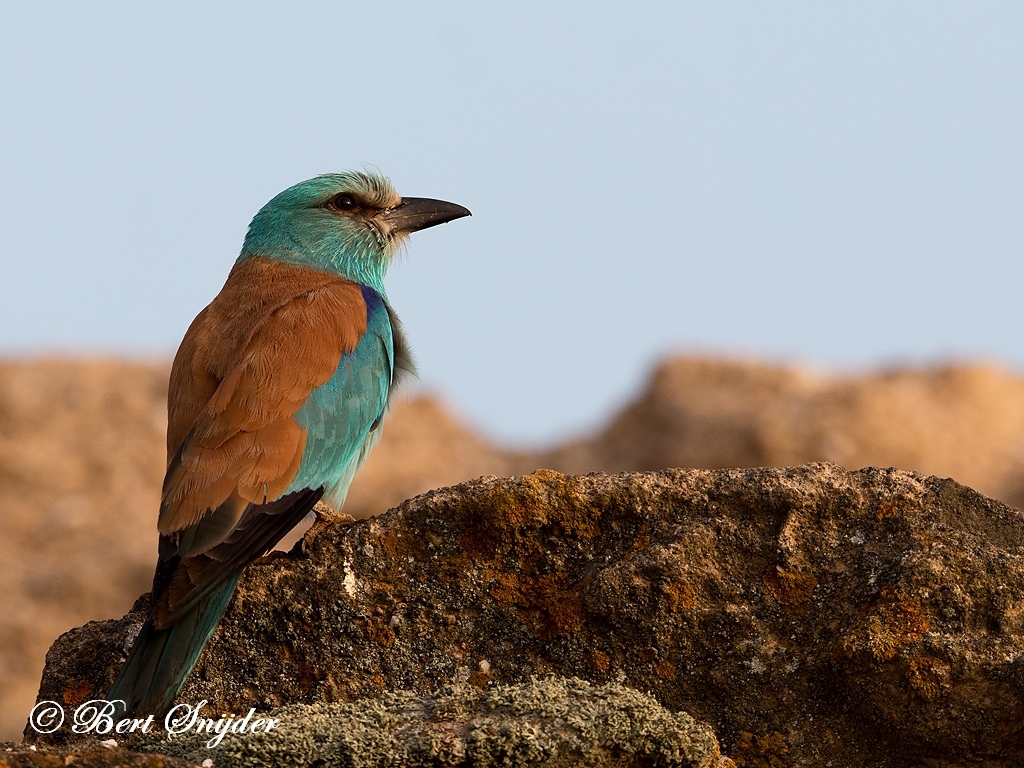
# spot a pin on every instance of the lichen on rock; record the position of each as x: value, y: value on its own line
x: 809, y: 614
x: 551, y: 723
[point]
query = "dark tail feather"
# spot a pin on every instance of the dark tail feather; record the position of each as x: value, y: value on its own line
x: 161, y: 659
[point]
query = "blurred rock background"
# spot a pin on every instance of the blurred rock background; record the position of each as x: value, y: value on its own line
x: 82, y: 457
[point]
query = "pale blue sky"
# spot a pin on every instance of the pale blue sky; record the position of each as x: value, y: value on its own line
x: 837, y: 184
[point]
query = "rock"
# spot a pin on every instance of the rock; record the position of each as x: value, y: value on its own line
x: 88, y: 754
x: 551, y: 723
x: 811, y: 615
x: 82, y: 458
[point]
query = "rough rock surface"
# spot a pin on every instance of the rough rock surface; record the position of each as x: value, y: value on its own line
x: 85, y: 755
x: 812, y: 616
x: 552, y: 723
x: 82, y: 458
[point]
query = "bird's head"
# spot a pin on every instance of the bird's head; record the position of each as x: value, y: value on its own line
x: 350, y: 223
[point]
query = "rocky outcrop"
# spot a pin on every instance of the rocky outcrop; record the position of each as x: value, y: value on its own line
x: 82, y: 458
x: 809, y: 615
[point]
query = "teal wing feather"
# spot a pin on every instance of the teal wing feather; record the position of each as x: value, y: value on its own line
x: 342, y: 418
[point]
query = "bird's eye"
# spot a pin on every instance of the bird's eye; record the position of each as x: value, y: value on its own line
x: 343, y: 202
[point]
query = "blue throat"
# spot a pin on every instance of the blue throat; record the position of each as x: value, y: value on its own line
x: 299, y: 237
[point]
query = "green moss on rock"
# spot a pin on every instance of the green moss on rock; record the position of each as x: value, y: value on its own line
x: 553, y: 722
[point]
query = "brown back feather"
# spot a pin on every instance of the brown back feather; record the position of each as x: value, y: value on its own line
x: 248, y: 362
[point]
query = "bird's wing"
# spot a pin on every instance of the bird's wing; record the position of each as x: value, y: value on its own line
x: 341, y: 418
x: 249, y: 379
x: 274, y: 334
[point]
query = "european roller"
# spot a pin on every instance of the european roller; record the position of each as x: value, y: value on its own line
x: 276, y: 396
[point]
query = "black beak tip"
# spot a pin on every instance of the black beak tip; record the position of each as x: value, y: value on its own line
x: 416, y: 213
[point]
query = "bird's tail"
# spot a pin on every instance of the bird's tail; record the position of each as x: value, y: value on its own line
x: 161, y: 659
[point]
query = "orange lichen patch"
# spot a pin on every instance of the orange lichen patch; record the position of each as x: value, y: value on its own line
x: 506, y: 587
x: 307, y: 673
x: 761, y: 751
x: 789, y: 588
x: 481, y: 679
x: 505, y: 517
x: 545, y: 603
x: 380, y: 633
x: 77, y: 693
x: 893, y: 621
x: 559, y: 609
x: 666, y: 670
x: 679, y: 595
x: 929, y: 677
x: 598, y: 661
x: 642, y: 541
x: 389, y: 540
x: 889, y: 508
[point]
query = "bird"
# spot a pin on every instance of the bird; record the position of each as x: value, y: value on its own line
x: 276, y: 395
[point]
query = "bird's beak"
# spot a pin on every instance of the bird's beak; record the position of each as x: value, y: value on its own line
x: 415, y: 213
